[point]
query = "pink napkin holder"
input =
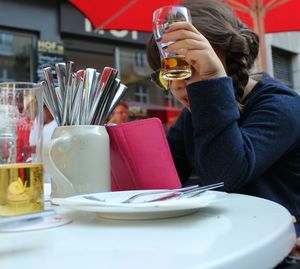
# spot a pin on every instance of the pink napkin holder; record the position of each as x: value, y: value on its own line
x: 140, y: 156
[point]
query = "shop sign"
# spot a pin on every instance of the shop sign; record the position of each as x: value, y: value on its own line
x: 50, y: 47
x: 73, y: 22
x: 132, y: 35
x: 48, y: 54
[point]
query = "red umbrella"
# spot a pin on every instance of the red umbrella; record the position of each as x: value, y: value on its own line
x: 121, y: 14
x: 277, y: 15
x: 268, y: 16
x: 263, y: 15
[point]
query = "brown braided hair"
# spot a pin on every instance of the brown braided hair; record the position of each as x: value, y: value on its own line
x: 227, y: 35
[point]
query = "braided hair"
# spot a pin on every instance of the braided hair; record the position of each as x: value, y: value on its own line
x: 226, y: 34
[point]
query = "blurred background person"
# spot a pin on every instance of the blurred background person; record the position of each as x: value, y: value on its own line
x: 25, y: 149
x: 48, y: 129
x: 119, y: 114
x: 49, y: 125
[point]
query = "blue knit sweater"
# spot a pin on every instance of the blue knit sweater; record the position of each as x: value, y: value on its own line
x: 256, y: 152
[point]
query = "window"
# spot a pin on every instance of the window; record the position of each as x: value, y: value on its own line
x: 282, y: 66
x: 133, y: 65
x: 171, y: 101
x: 135, y: 73
x: 143, y: 97
x: 16, y: 57
x: 141, y: 94
x: 88, y: 54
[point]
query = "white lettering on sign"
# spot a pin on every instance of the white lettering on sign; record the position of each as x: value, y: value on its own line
x: 50, y: 47
x: 88, y: 28
x: 119, y: 34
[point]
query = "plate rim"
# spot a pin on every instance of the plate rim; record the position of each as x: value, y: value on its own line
x: 145, y: 208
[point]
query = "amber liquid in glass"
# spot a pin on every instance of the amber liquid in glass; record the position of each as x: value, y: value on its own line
x: 175, y: 68
x: 21, y: 188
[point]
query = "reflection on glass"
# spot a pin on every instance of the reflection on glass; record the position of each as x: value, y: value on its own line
x: 143, y: 97
x: 16, y: 57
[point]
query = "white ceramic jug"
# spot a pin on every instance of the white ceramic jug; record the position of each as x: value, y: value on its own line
x: 78, y: 160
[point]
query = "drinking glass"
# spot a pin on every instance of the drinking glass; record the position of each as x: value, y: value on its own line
x: 21, y: 169
x: 173, y: 65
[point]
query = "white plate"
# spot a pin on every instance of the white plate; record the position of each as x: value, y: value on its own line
x: 112, y: 208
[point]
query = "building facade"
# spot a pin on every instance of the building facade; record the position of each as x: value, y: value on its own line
x: 35, y: 34
x: 283, y: 57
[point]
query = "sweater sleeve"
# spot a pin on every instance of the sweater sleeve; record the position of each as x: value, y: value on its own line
x: 225, y: 151
x: 176, y: 140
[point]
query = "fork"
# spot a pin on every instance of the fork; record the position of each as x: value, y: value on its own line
x: 186, y: 193
x: 189, y: 192
x: 130, y: 199
x: 168, y: 192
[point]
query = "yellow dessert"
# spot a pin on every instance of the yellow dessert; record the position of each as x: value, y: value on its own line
x: 17, y: 194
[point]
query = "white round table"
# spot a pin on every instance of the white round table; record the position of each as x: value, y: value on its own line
x: 238, y: 232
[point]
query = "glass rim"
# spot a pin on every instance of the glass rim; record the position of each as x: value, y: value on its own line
x: 169, y: 6
x: 156, y: 80
x: 19, y: 86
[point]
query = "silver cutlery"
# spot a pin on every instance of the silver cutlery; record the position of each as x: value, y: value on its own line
x: 52, y: 93
x: 186, y: 192
x: 61, y: 73
x: 165, y: 192
x: 82, y: 97
x: 119, y: 94
x: 110, y: 75
x: 112, y: 93
x: 132, y: 198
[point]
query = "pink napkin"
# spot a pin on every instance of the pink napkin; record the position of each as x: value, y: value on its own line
x: 140, y: 156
